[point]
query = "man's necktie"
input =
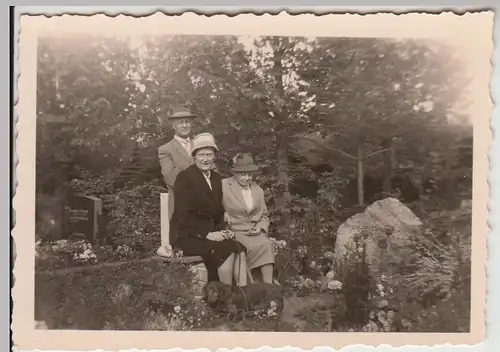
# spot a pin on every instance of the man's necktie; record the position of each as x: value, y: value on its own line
x: 187, y: 145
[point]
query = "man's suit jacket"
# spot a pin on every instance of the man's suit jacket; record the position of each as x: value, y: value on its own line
x: 239, y: 217
x: 198, y: 209
x: 173, y: 159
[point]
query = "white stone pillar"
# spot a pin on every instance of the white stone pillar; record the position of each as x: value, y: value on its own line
x: 164, y: 225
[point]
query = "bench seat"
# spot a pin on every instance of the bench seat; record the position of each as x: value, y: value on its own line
x: 181, y: 260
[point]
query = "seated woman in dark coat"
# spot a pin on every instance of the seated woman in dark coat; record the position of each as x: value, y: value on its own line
x: 198, y: 219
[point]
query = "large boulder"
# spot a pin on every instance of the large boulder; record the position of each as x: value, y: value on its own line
x: 385, y: 228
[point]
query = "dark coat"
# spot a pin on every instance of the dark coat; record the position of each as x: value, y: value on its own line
x: 198, y: 209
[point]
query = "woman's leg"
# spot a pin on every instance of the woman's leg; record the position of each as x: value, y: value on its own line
x: 267, y: 273
x: 257, y: 274
x: 225, y: 271
x: 240, y: 269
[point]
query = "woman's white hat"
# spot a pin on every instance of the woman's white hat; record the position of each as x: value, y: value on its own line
x: 203, y: 140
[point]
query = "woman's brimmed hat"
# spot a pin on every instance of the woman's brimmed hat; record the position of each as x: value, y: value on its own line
x: 203, y: 140
x: 243, y: 162
x: 181, y: 113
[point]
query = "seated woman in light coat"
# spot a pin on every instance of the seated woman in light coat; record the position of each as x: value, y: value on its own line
x: 246, y: 210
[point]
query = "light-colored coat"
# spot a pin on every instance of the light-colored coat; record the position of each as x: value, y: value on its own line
x: 240, y: 218
x: 173, y: 159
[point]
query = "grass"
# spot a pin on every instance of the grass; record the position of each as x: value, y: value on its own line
x: 152, y: 295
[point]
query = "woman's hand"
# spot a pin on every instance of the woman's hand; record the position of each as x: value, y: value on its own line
x: 228, y: 234
x: 215, y: 236
x: 254, y: 231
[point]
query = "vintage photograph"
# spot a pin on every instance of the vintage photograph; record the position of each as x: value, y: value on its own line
x: 248, y: 182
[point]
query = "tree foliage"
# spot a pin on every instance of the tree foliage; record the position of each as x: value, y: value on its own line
x: 334, y: 123
x: 317, y: 114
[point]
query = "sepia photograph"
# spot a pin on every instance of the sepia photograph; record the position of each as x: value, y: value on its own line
x: 253, y: 182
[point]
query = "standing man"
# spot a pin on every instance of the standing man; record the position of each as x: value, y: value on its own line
x: 175, y: 155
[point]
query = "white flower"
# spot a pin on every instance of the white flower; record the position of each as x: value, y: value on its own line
x: 313, y: 265
x: 382, y: 304
x: 177, y: 309
x: 302, y: 250
x: 329, y: 255
x: 330, y: 275
x: 271, y: 312
x: 308, y: 282
x: 334, y: 285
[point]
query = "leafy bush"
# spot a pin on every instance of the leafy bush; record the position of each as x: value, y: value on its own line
x: 135, y: 217
x: 49, y: 220
x: 134, y: 211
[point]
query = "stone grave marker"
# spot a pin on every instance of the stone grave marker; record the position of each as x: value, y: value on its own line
x: 83, y: 217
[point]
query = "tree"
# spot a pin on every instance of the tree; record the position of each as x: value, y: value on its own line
x: 370, y: 93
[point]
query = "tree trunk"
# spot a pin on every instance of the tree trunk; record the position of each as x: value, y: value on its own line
x: 388, y: 165
x: 421, y: 195
x: 361, y: 176
x: 449, y: 175
x: 282, y: 138
x: 281, y: 154
x: 61, y: 194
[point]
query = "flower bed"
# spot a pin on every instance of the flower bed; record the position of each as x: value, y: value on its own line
x: 65, y: 253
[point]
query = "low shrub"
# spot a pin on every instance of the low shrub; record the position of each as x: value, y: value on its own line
x: 114, y: 296
x: 69, y: 253
x: 147, y: 295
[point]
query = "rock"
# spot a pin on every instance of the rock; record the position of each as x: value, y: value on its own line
x: 385, y: 227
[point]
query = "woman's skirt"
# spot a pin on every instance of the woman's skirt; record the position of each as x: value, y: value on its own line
x: 213, y: 253
x: 259, y: 249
